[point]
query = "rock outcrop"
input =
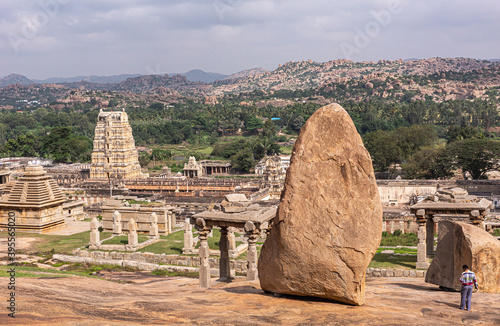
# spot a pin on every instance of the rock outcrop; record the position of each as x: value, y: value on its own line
x: 461, y: 243
x: 329, y: 221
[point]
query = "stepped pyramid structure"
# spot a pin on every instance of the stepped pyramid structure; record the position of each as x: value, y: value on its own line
x: 114, y: 155
x: 36, y: 201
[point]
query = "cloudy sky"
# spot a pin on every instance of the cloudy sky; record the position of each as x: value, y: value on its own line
x: 63, y: 38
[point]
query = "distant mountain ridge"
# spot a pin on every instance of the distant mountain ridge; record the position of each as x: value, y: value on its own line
x: 14, y: 79
x: 92, y: 79
x: 195, y: 75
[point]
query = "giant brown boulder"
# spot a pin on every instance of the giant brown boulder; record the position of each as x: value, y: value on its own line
x: 464, y: 244
x: 329, y: 221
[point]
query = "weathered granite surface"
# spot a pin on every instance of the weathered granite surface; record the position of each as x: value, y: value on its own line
x: 329, y: 221
x: 461, y: 243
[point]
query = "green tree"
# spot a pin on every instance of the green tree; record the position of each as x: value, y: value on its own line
x: 427, y: 163
x: 383, y: 149
x: 253, y: 124
x: 474, y: 156
x: 297, y: 123
x: 22, y: 146
x: 411, y: 139
x: 455, y: 133
x: 243, y: 161
x: 269, y: 130
x: 62, y: 146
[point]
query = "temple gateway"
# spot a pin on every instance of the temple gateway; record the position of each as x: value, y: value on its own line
x: 114, y: 155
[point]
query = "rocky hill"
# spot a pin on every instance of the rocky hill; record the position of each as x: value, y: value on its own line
x: 435, y: 79
x: 298, y: 75
x: 14, y: 79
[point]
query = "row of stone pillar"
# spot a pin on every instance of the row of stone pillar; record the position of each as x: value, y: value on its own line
x: 189, y: 243
x: 252, y: 234
x: 117, y: 230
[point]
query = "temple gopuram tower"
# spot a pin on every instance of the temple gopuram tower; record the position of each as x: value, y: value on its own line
x: 114, y: 155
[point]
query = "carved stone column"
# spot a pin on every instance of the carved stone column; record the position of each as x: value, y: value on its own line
x: 188, y: 237
x: 253, y: 234
x: 422, y: 245
x: 430, y: 236
x: 132, y: 234
x: 204, y: 253
x: 117, y: 223
x: 153, y: 227
x: 224, y: 267
x: 233, y: 253
x: 95, y: 240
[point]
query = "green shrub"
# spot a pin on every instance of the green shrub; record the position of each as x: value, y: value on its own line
x: 397, y: 233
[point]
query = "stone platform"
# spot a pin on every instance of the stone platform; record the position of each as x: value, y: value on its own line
x: 142, y: 299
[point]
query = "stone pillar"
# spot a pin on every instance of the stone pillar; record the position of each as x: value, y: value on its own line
x: 224, y: 269
x: 232, y: 238
x: 153, y: 226
x: 384, y: 226
x: 402, y: 226
x: 117, y: 223
x: 477, y: 219
x: 188, y: 237
x: 429, y: 225
x: 95, y: 240
x: 132, y: 234
x: 392, y: 227
x: 204, y: 253
x: 253, y: 234
x: 172, y: 220
x: 422, y: 245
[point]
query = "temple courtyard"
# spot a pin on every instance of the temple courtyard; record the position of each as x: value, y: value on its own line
x: 138, y: 298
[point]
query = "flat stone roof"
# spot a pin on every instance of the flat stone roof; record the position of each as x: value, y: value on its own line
x: 260, y: 216
x: 481, y: 205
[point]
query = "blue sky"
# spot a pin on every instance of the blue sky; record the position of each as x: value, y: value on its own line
x: 48, y: 38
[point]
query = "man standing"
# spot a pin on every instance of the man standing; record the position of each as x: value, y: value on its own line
x: 468, y: 280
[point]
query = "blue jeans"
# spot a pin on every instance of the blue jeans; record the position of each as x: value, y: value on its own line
x: 466, y: 296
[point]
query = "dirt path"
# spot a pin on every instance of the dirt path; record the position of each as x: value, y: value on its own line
x: 139, y: 299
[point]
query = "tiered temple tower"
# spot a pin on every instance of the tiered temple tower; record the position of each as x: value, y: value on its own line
x: 114, y: 155
x: 35, y: 200
x: 274, y: 176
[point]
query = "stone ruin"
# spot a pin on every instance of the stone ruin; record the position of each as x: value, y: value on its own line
x: 35, y: 199
x: 460, y: 243
x: 132, y: 236
x: 461, y: 239
x: 447, y: 204
x: 329, y: 221
x: 234, y: 212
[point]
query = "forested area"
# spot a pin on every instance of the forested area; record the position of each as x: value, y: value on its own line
x: 428, y: 139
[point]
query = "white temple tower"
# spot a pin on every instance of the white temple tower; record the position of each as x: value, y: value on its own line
x: 114, y: 155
